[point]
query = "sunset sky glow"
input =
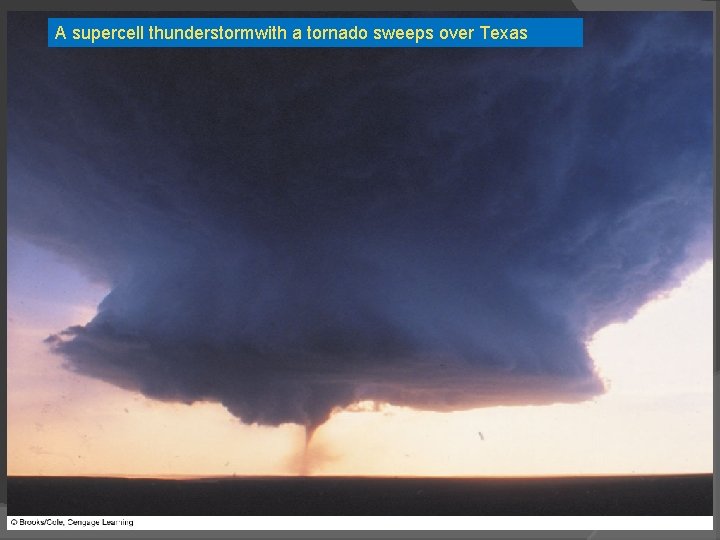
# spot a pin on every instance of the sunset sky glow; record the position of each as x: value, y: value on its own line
x: 656, y: 417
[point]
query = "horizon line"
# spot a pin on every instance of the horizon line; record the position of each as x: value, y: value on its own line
x: 356, y: 476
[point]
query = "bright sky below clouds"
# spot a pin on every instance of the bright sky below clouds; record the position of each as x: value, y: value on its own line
x: 655, y: 418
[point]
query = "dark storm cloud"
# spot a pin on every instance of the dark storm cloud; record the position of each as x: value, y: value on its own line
x: 290, y: 231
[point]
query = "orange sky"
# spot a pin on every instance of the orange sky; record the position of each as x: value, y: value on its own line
x: 655, y: 418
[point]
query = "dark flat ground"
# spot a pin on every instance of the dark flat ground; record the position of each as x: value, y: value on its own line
x: 616, y: 495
